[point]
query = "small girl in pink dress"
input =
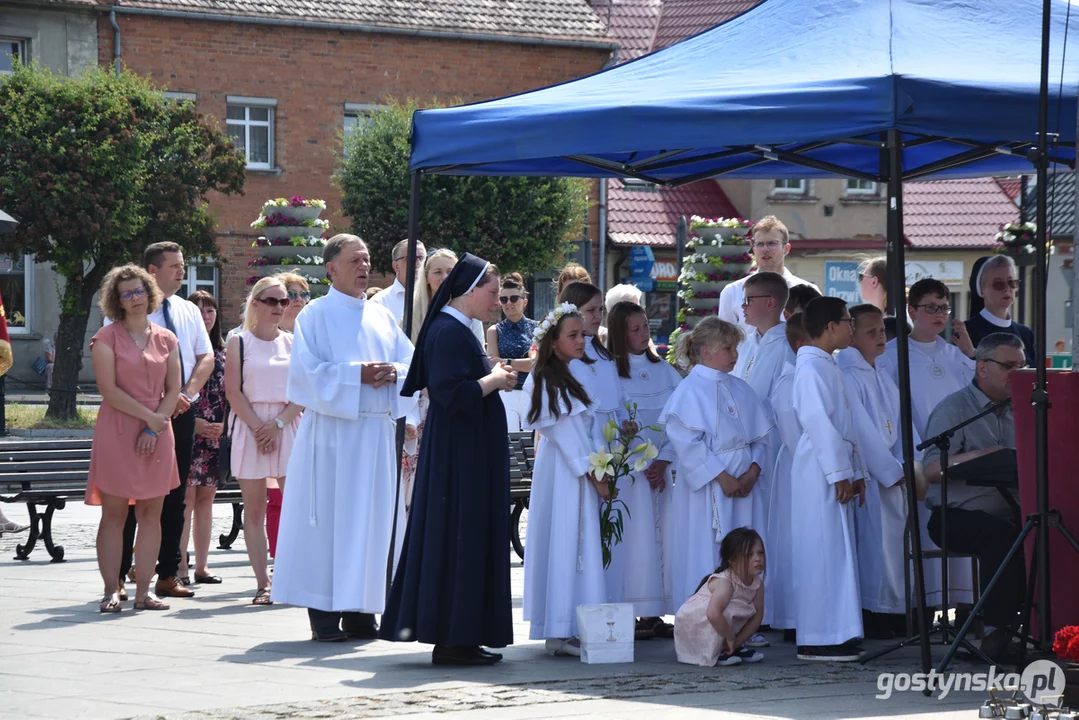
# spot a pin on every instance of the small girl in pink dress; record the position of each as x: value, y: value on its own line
x: 713, y: 625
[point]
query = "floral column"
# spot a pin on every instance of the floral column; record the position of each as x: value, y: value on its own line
x: 719, y: 255
x: 292, y: 241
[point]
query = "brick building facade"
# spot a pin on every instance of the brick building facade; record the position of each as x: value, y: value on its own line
x: 308, y: 78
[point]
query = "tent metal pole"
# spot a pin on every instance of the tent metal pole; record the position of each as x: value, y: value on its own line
x: 898, y: 282
x: 1040, y: 397
x: 410, y: 291
x: 1024, y: 216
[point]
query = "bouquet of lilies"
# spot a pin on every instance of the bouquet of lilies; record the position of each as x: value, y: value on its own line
x: 627, y: 452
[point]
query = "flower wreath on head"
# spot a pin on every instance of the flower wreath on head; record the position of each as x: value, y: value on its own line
x: 552, y: 319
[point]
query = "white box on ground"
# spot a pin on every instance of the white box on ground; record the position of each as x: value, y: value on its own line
x: 606, y: 632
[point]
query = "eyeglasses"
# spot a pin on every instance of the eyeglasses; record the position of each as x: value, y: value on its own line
x: 770, y: 244
x: 931, y: 309
x: 849, y: 320
x: 750, y: 298
x: 129, y: 295
x: 1002, y: 285
x: 293, y: 295
x: 271, y: 302
x: 1008, y: 366
x: 419, y: 259
x: 508, y: 300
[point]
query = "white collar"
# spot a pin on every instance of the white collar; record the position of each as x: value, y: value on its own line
x: 706, y: 373
x: 815, y: 352
x: 994, y: 320
x: 338, y: 296
x: 458, y: 315
x: 773, y: 334
x: 397, y: 288
x: 851, y: 357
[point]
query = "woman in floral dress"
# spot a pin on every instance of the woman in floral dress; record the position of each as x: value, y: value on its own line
x: 209, y: 426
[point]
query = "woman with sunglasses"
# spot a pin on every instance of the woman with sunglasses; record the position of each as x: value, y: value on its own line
x: 509, y: 342
x: 262, y: 423
x: 299, y: 294
x: 993, y: 287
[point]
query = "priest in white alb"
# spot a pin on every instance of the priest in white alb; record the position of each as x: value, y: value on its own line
x: 829, y: 472
x: 349, y: 360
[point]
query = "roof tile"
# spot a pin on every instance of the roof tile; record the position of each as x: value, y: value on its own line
x: 649, y: 215
x: 562, y: 19
x: 955, y: 213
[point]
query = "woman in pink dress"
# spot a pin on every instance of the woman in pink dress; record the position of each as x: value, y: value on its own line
x: 263, y: 422
x: 133, y: 457
x: 712, y: 626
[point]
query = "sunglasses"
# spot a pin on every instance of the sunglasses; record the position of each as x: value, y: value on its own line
x: 272, y: 302
x: 293, y: 295
x: 1002, y: 285
x: 509, y: 300
x: 129, y: 295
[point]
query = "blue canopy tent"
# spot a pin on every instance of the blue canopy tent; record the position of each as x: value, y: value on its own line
x: 880, y: 90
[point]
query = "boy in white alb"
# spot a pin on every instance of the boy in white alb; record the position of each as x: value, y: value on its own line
x: 882, y: 521
x: 937, y: 369
x: 781, y: 600
x: 829, y: 471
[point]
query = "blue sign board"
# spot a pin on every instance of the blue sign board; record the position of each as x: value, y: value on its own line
x: 644, y: 284
x: 841, y: 281
x: 641, y: 260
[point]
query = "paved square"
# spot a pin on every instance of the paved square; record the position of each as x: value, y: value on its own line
x: 217, y: 656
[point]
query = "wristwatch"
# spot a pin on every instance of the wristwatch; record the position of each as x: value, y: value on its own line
x: 278, y: 422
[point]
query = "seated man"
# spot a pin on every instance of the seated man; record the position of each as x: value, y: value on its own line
x: 980, y: 521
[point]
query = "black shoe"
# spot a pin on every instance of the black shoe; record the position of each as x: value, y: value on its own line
x: 359, y: 626
x: 790, y: 636
x: 325, y: 626
x: 828, y: 653
x: 467, y: 655
x: 995, y: 646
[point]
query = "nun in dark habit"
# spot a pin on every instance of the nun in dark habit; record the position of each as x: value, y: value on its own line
x: 452, y: 586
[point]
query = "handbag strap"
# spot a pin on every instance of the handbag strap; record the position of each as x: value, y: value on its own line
x: 227, y: 407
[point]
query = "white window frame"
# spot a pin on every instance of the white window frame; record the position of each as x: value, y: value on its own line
x: 801, y: 189
x: 247, y: 103
x: 192, y: 283
x: 28, y: 292
x: 24, y: 44
x: 872, y: 189
x: 638, y: 184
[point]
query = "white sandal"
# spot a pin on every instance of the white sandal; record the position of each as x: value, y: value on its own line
x: 558, y: 646
x: 12, y: 527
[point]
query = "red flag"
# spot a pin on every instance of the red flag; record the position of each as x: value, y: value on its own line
x: 6, y: 358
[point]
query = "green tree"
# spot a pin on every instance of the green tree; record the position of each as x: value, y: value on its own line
x: 518, y: 223
x: 96, y: 168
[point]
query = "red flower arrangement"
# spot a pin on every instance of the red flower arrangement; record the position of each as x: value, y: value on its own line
x: 1066, y: 643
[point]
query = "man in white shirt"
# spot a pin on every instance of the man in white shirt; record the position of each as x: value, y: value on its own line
x: 165, y: 262
x: 771, y: 243
x: 393, y: 297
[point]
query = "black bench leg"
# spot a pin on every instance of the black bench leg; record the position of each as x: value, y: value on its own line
x: 55, y: 551
x: 515, y: 528
x: 22, y: 552
x: 225, y: 541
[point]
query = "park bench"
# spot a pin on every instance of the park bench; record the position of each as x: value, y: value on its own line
x: 45, y: 474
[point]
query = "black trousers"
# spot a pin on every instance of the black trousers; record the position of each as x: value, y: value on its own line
x: 172, y: 510
x: 988, y: 538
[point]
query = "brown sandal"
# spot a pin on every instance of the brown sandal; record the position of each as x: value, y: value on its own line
x: 110, y: 604
x: 151, y: 602
x: 262, y: 597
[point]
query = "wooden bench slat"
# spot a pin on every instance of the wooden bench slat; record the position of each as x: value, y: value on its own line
x: 39, y: 445
x: 35, y: 467
x: 37, y: 455
x: 15, y: 478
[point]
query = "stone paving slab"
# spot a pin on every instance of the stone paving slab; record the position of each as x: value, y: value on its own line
x: 216, y: 657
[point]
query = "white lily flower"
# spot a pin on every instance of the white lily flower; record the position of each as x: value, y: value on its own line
x: 610, y: 431
x: 640, y: 464
x: 598, y: 462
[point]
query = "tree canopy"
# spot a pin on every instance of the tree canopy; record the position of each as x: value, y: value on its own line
x: 518, y: 223
x: 95, y: 168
